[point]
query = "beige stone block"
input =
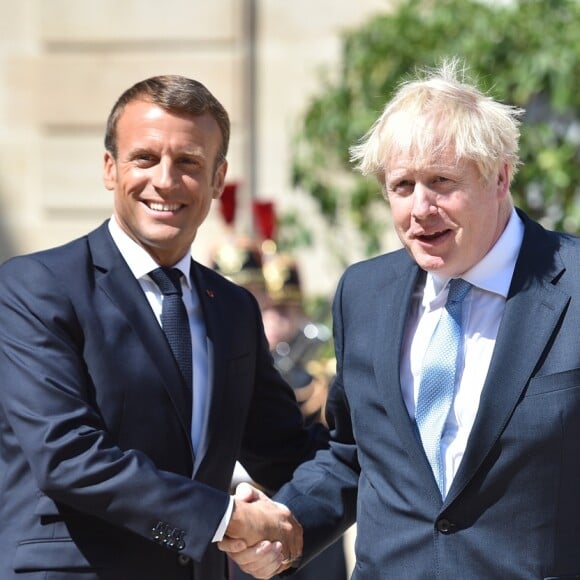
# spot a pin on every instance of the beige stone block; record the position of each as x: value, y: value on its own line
x: 78, y: 89
x: 16, y: 25
x: 168, y: 22
x: 51, y: 233
x: 303, y: 19
x: 71, y: 174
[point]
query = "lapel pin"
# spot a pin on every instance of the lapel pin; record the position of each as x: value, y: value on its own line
x: 210, y: 293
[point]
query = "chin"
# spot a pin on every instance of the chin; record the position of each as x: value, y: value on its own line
x: 430, y: 263
x: 438, y: 267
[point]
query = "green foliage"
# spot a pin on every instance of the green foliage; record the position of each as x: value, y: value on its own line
x: 525, y: 53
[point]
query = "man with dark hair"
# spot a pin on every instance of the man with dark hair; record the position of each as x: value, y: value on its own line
x: 133, y: 377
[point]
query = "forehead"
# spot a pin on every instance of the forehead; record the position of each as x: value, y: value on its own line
x: 146, y: 120
x: 409, y: 159
x: 447, y: 165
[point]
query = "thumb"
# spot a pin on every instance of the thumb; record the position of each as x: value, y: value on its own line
x: 246, y: 492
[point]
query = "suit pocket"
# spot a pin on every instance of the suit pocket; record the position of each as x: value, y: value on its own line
x: 66, y: 541
x: 57, y: 554
x: 552, y: 383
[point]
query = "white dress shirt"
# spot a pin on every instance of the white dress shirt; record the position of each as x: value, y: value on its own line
x: 482, y: 312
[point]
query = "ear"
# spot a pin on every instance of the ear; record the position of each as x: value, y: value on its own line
x: 109, y: 171
x: 219, y: 179
x: 503, y: 181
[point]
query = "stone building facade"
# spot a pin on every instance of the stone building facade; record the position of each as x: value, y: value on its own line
x: 64, y: 62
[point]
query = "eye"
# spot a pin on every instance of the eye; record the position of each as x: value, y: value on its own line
x: 402, y: 187
x: 143, y: 159
x: 443, y: 184
x: 190, y: 162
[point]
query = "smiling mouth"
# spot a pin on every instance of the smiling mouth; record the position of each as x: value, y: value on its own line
x: 168, y: 207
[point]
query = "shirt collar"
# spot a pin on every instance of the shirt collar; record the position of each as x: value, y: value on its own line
x: 494, y: 271
x: 138, y: 259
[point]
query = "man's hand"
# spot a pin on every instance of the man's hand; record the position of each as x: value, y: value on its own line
x: 263, y: 537
x: 263, y: 560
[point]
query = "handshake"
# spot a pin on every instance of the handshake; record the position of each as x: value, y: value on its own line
x: 262, y: 537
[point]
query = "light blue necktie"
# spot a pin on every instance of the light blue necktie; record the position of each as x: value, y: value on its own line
x: 438, y: 377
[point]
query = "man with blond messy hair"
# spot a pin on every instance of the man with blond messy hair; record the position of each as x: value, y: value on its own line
x: 461, y: 458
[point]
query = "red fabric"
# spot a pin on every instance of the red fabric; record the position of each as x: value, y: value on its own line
x: 228, y: 203
x: 265, y: 219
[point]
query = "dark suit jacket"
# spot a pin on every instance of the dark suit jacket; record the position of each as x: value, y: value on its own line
x: 97, y: 474
x: 513, y: 510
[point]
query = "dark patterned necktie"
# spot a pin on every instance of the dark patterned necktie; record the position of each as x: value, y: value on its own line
x: 438, y: 377
x: 174, y: 319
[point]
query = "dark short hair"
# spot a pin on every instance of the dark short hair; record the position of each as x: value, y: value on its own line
x: 173, y: 93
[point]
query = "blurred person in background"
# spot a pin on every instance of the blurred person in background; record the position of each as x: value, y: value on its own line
x: 295, y: 339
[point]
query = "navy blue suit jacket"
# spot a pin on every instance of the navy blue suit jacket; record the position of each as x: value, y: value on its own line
x: 513, y: 510
x: 98, y: 478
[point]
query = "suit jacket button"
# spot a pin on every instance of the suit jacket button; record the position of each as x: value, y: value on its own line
x: 183, y: 559
x: 445, y: 526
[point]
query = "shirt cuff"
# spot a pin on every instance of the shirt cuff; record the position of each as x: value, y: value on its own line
x: 221, y: 529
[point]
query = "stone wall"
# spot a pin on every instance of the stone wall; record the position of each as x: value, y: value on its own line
x: 64, y: 62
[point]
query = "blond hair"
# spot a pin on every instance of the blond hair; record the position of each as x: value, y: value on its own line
x: 439, y: 111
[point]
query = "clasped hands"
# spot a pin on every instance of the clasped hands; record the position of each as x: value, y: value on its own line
x: 263, y: 537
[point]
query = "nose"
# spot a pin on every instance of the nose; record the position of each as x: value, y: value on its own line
x: 424, y: 201
x: 165, y: 175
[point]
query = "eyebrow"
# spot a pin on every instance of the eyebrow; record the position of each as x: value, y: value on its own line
x: 152, y: 150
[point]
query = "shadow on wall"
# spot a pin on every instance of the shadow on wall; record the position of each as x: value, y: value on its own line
x: 7, y: 246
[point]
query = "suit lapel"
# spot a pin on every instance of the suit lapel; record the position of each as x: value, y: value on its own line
x: 533, y: 309
x: 115, y: 279
x: 210, y: 300
x: 392, y: 307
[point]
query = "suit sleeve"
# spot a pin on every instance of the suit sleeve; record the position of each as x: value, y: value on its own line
x: 52, y: 426
x: 322, y: 493
x: 275, y: 441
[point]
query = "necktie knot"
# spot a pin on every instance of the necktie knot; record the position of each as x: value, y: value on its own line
x: 168, y: 280
x: 458, y: 289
